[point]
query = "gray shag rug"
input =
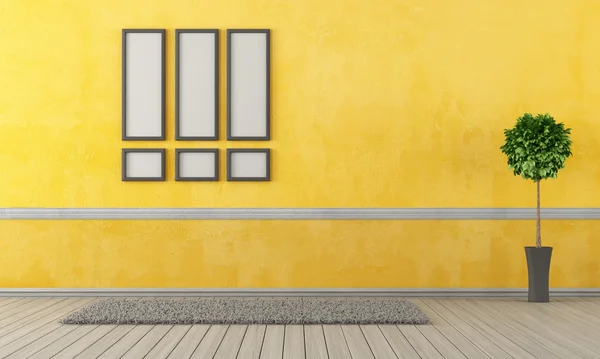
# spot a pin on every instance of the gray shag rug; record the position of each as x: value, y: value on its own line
x: 236, y: 310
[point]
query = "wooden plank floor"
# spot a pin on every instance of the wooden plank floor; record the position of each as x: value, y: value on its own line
x: 474, y: 328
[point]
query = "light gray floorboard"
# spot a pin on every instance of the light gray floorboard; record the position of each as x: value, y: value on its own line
x: 422, y: 346
x: 555, y: 334
x: 41, y: 343
x: 568, y: 315
x: 293, y: 344
x: 105, y: 342
x: 463, y: 344
x: 590, y: 308
x: 36, y: 320
x: 12, y: 317
x: 85, y: 342
x: 337, y: 348
x: 472, y: 328
x: 575, y: 310
x: 510, y: 333
x: 211, y: 342
x: 487, y: 330
x: 26, y: 312
x: 533, y: 342
x: 273, y: 342
x: 9, y: 327
x: 315, y: 342
x: 592, y: 311
x: 147, y: 343
x: 593, y: 301
x: 253, y: 342
x: 359, y: 348
x: 17, y: 307
x: 379, y: 345
x: 166, y: 345
x: 400, y: 345
x: 190, y: 341
x: 492, y: 349
x: 230, y: 345
x: 446, y: 348
x: 126, y: 342
x: 15, y: 302
x: 7, y: 300
x: 13, y: 341
x: 563, y: 319
x: 62, y: 343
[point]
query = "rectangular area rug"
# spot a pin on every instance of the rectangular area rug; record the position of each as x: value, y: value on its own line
x: 236, y: 310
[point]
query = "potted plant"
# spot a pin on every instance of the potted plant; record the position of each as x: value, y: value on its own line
x: 537, y: 148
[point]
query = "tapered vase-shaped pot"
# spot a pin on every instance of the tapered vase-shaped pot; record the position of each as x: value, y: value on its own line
x: 538, y: 268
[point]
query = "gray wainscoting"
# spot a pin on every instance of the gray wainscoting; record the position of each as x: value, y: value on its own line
x: 298, y: 213
x: 287, y: 292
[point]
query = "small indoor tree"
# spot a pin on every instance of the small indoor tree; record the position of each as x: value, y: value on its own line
x: 537, y: 148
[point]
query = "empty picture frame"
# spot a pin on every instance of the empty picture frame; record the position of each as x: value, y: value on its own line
x: 143, y: 164
x: 143, y: 93
x: 248, y: 85
x: 196, y: 84
x: 248, y: 164
x: 197, y: 164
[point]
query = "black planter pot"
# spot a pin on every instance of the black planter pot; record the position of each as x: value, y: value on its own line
x: 538, y: 268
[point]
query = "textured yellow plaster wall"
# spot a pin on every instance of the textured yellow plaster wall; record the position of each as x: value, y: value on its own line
x: 375, y: 104
x: 283, y: 254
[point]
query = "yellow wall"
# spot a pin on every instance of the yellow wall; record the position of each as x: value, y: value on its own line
x: 283, y: 254
x: 375, y: 104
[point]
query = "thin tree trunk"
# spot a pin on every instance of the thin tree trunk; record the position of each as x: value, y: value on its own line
x: 538, y: 234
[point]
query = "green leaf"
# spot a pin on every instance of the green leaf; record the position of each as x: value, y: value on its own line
x: 537, y: 147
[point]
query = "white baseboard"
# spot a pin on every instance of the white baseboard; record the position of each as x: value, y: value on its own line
x: 284, y: 292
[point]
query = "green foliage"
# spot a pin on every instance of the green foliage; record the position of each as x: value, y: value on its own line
x: 537, y: 147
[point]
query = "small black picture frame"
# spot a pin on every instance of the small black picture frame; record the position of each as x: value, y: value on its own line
x: 180, y: 151
x: 230, y: 154
x: 127, y: 151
